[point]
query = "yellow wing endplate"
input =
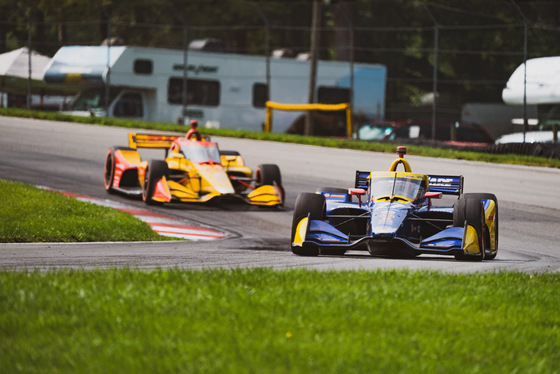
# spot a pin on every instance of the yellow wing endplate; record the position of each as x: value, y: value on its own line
x: 300, y: 232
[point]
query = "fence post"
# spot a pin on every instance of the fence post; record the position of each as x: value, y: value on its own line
x: 434, y: 88
x: 453, y: 131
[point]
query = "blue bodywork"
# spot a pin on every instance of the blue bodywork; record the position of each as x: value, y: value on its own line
x: 391, y: 224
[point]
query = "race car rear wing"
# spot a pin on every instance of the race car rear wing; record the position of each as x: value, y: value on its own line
x: 446, y: 184
x: 362, y: 179
x: 159, y: 141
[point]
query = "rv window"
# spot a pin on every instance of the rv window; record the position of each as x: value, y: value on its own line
x: 143, y: 66
x: 92, y: 99
x: 199, y: 92
x: 333, y: 95
x: 260, y: 95
x: 129, y: 106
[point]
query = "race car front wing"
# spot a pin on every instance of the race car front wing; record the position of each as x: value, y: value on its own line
x: 453, y: 240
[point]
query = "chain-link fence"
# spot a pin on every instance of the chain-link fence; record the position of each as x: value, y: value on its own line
x: 465, y: 51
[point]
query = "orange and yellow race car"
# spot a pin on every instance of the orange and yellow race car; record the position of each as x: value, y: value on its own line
x: 194, y: 171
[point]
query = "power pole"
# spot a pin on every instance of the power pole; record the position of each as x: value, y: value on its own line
x: 525, y: 27
x: 313, y: 68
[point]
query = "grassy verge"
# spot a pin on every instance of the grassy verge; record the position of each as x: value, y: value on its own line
x: 264, y: 321
x: 29, y: 214
x: 288, y: 138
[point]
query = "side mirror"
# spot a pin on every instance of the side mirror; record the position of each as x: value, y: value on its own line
x: 433, y: 195
x: 358, y: 192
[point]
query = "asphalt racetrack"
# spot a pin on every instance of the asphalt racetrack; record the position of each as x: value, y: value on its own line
x: 70, y: 157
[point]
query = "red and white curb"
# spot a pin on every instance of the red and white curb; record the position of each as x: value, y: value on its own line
x: 160, y: 223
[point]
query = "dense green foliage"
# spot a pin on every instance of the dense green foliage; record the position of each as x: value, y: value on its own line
x: 29, y: 214
x: 480, y: 43
x: 265, y: 321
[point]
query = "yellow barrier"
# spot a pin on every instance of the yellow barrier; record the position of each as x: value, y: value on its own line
x: 304, y: 107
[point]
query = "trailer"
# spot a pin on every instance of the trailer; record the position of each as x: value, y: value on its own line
x: 223, y: 90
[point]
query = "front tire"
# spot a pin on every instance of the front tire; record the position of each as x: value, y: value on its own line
x: 472, y: 211
x: 155, y: 170
x: 269, y: 174
x: 490, y: 255
x: 306, y: 204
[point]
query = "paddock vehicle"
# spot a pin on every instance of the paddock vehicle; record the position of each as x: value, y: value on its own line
x: 390, y: 213
x: 193, y: 171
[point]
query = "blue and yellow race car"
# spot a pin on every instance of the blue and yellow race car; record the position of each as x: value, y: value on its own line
x: 391, y: 213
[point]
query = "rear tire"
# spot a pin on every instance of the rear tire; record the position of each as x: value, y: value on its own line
x: 155, y: 170
x: 229, y: 153
x: 306, y: 204
x: 331, y: 190
x: 471, y: 211
x: 109, y: 170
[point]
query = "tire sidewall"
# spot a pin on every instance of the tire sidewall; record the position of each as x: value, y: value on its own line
x: 155, y: 170
x: 314, y: 206
x: 109, y: 170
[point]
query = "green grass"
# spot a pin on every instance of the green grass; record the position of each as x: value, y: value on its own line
x: 265, y: 321
x: 29, y: 214
x: 288, y: 138
x: 259, y: 320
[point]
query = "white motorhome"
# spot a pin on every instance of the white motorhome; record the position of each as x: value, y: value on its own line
x: 224, y: 90
x: 536, y: 83
x: 539, y: 83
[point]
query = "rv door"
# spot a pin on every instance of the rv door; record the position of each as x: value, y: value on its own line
x: 128, y: 104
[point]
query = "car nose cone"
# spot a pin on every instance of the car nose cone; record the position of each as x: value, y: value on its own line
x: 386, y: 218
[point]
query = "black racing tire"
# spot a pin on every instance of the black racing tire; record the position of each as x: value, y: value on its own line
x: 488, y: 196
x: 337, y: 190
x: 155, y: 170
x: 109, y: 169
x: 313, y: 205
x: 268, y: 174
x: 471, y: 211
x: 459, y: 213
x: 331, y: 190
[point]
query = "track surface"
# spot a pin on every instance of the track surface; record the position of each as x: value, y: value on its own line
x: 70, y: 157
